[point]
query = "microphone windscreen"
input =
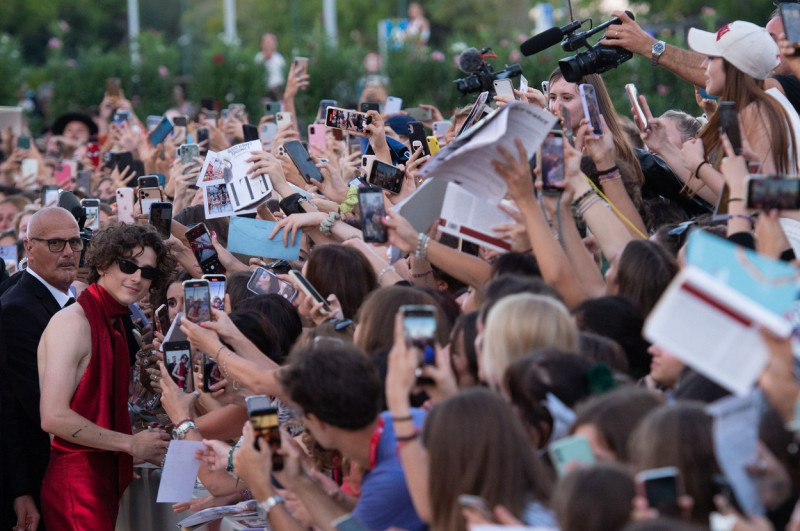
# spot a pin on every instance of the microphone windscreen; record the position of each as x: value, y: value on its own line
x: 470, y: 60
x: 542, y: 41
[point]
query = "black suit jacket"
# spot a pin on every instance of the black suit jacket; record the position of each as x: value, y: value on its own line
x: 25, y: 310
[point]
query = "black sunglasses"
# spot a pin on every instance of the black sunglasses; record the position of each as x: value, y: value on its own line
x: 129, y: 268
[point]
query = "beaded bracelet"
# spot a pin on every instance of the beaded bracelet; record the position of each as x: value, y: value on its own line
x: 350, y: 202
x: 583, y: 196
x: 229, y: 468
x: 587, y: 205
x: 422, y: 246
x: 216, y: 356
x: 384, y: 271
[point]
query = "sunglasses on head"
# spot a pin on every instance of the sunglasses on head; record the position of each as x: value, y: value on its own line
x: 130, y: 268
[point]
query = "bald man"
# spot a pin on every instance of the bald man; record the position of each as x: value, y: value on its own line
x: 53, y: 247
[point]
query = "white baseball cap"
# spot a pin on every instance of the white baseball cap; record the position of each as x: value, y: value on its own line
x: 746, y: 46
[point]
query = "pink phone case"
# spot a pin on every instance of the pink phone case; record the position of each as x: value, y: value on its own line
x: 125, y: 205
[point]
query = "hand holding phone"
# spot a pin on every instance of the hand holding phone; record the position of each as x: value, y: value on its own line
x: 591, y: 109
x: 373, y: 210
x: 729, y: 122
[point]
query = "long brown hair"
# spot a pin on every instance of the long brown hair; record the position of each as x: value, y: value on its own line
x: 477, y: 446
x: 743, y: 90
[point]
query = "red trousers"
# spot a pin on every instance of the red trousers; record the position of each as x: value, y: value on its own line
x: 81, y: 491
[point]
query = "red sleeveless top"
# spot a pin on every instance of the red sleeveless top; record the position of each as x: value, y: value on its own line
x: 102, y: 393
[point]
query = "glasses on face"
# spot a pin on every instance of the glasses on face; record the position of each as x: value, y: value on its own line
x: 130, y: 268
x: 56, y: 245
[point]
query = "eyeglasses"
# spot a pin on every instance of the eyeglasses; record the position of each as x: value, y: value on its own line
x: 129, y: 268
x: 56, y: 245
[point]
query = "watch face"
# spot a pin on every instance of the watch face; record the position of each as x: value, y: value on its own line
x: 658, y: 47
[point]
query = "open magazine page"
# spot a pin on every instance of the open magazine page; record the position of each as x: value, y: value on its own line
x: 467, y: 161
x: 469, y: 217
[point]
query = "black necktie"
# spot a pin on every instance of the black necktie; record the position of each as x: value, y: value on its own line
x: 71, y: 300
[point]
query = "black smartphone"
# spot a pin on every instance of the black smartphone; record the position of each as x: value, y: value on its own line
x: 123, y: 160
x: 386, y: 176
x: 790, y: 14
x: 161, y: 218
x: 370, y: 106
x: 216, y: 286
x: 372, y: 209
x: 180, y: 120
x: 662, y: 488
x: 178, y: 360
x: 197, y: 300
x: 200, y: 240
x: 147, y: 181
x: 250, y: 132
x: 138, y: 167
x: 309, y: 289
x: 416, y: 132
x: 729, y: 122
x: 591, y: 109
x: 202, y: 136
x: 769, y: 192
x: 91, y: 207
x: 161, y: 131
x: 207, y: 104
x: 266, y: 425
x: 211, y: 373
x: 302, y: 161
x: 419, y: 330
x: 551, y: 161
x: 162, y: 318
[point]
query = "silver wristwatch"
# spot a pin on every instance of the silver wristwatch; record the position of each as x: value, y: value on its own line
x: 267, y: 505
x: 180, y: 432
x: 656, y: 51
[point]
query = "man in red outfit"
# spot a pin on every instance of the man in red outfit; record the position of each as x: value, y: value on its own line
x: 84, y: 371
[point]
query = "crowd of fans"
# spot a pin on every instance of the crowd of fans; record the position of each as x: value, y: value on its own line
x: 532, y: 348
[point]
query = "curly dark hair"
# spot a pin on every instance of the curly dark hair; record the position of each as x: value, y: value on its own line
x: 118, y: 240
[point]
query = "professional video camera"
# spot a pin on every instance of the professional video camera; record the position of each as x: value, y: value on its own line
x: 595, y: 60
x: 482, y: 75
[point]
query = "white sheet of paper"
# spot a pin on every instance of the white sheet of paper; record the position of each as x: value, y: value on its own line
x: 736, y: 420
x: 466, y: 216
x: 713, y: 329
x: 180, y: 472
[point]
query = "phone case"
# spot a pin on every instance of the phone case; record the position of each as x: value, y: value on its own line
x: 633, y: 95
x: 283, y: 119
x: 591, y: 109
x: 317, y: 141
x: 570, y: 451
x: 125, y: 205
x: 433, y: 145
x: 504, y: 88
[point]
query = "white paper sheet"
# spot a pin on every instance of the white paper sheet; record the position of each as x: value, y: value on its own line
x: 736, y: 420
x: 180, y: 472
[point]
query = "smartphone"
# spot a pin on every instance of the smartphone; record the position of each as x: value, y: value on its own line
x: 147, y: 181
x: 91, y: 208
x: 216, y: 286
x: 790, y: 14
x: 283, y: 119
x: 161, y: 130
x: 433, y: 144
x: 416, y: 133
x: 370, y: 106
x: 123, y: 160
x: 121, y: 116
x: 662, y: 489
x: 200, y: 241
x: 207, y: 103
x: 504, y: 88
x: 729, y: 122
x: 523, y: 84
x: 264, y: 420
x: 421, y: 114
x: 366, y: 164
x: 9, y: 255
x: 237, y: 111
x: 125, y: 204
x: 545, y: 89
x: 83, y: 181
x: 768, y: 192
x: 149, y: 196
x: 551, y: 161
x: 302, y: 161
x: 323, y: 106
x: 705, y: 95
x: 591, y: 108
x: 113, y: 86
x: 187, y: 152
x: 62, y: 174
x: 317, y: 141
x: 249, y: 132
x: 197, y: 300
x: 419, y: 330
x: 372, y: 210
x: 393, y: 105
x: 50, y: 194
x: 24, y: 142
x: 440, y: 128
x: 211, y: 373
x: 211, y: 118
x: 161, y: 218
x: 570, y: 451
x: 30, y: 170
x: 310, y: 291
x: 202, y: 136
x: 178, y: 359
x: 264, y: 282
x: 267, y: 133
x: 633, y: 95
x: 566, y: 125
x: 346, y: 119
x: 477, y: 503
x: 300, y: 66
x: 386, y: 176
x: 272, y: 108
x: 162, y: 318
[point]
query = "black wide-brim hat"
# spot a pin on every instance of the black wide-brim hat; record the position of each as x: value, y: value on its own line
x: 61, y: 122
